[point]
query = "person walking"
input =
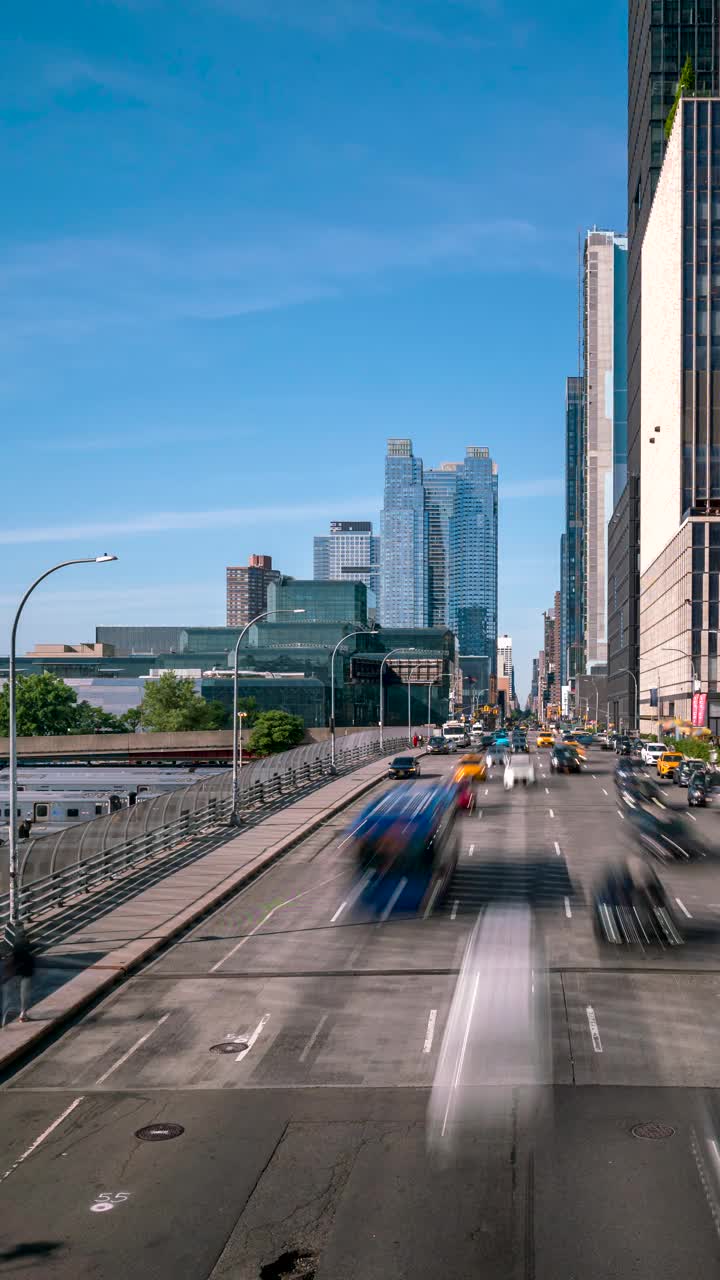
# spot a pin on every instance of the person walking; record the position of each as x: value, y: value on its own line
x: 18, y: 967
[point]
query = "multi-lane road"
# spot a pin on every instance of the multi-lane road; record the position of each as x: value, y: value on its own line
x: 294, y: 1042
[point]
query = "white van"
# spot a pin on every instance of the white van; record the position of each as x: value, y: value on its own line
x: 652, y: 751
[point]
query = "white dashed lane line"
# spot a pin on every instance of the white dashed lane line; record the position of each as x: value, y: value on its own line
x: 683, y: 908
x: 45, y: 1134
x: 594, y: 1033
x: 430, y: 1031
x: 568, y: 912
x: 557, y: 849
x: 604, y: 791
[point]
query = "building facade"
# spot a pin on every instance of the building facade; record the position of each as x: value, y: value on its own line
x: 604, y: 419
x: 504, y: 656
x: 573, y: 640
x: 680, y: 426
x: 403, y: 531
x: 349, y: 553
x: 474, y: 556
x: 320, y: 602
x: 440, y: 485
x: 247, y: 588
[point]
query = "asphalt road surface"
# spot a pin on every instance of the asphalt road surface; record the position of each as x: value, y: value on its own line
x: 303, y: 1149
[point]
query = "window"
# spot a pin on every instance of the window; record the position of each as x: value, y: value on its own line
x: 98, y: 810
x: 41, y: 811
x: 73, y: 813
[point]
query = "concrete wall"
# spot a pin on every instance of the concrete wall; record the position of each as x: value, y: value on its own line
x: 139, y: 743
x: 661, y: 381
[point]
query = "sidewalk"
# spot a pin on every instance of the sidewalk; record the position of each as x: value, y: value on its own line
x: 108, y: 948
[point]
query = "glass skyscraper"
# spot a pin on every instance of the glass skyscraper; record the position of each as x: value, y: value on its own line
x: 440, y: 490
x: 404, y: 571
x: 572, y: 607
x: 473, y: 555
x: 349, y: 553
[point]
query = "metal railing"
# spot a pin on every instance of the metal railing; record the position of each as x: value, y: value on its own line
x: 56, y: 868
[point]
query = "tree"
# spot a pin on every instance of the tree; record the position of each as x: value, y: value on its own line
x: 91, y: 719
x: 250, y: 707
x: 44, y: 705
x: 171, y: 705
x: 275, y: 731
x: 685, y: 89
x: 132, y: 718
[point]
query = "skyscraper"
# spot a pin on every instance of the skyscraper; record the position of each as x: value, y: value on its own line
x: 349, y: 553
x: 246, y: 589
x: 573, y: 641
x: 662, y: 33
x: 440, y: 491
x: 504, y: 656
x: 474, y: 555
x: 605, y: 424
x: 403, y: 572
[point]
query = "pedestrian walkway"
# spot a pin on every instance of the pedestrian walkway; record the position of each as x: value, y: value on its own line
x: 73, y: 973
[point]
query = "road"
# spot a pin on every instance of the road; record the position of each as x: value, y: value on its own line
x: 302, y: 1151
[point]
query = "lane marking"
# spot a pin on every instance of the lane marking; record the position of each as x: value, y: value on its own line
x: 594, y: 776
x: 692, y: 817
x: 557, y: 849
x: 430, y: 1031
x: 453, y: 913
x: 339, y: 911
x: 480, y: 813
x: 314, y: 1036
x: 431, y: 903
x: 604, y: 791
x: 683, y: 908
x: 620, y: 815
x: 595, y: 1034
x: 45, y: 1134
x: 568, y: 912
x: 547, y: 791
x: 253, y: 1037
x: 101, y: 1079
x: 552, y: 815
x: 386, y: 913
x: 266, y: 917
x: 471, y: 850
x: 487, y: 791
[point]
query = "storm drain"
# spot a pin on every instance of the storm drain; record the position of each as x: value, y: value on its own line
x: 229, y: 1046
x: 292, y: 1265
x: 159, y: 1132
x: 653, y: 1130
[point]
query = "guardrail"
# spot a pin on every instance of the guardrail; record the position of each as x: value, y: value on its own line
x: 209, y: 809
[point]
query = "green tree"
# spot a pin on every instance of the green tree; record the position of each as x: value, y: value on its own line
x: 685, y: 89
x: 131, y: 719
x: 44, y: 705
x: 171, y: 705
x: 91, y: 719
x: 275, y: 731
x: 250, y: 707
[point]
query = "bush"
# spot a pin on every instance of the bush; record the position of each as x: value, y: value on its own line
x: 698, y: 748
x: 275, y: 731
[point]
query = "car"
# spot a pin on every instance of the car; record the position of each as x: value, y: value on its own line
x: 545, y: 740
x: 519, y: 768
x: 497, y: 754
x: 684, y: 771
x: 573, y: 742
x: 404, y: 767
x: 438, y: 746
x: 564, y: 759
x: 704, y: 789
x: 585, y: 739
x: 602, y: 741
x: 651, y: 752
x: 668, y: 762
x: 631, y: 906
x: 472, y: 768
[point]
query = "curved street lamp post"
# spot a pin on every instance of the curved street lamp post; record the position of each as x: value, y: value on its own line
x: 12, y: 728
x: 401, y: 649
x: 364, y: 631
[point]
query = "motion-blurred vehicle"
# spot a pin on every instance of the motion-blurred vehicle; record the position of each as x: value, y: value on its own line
x: 585, y: 739
x: 438, y: 746
x: 455, y: 734
x: 472, y: 768
x: 519, y: 769
x: 662, y: 832
x: 404, y: 767
x: 631, y: 906
x: 577, y: 746
x: 704, y: 790
x: 684, y: 771
x: 651, y: 751
x: 545, y: 740
x: 406, y: 848
x: 496, y: 754
x: 668, y: 762
x: 564, y: 760
x: 627, y: 770
x: 623, y: 745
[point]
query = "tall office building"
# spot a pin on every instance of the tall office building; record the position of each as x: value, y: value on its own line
x: 604, y: 419
x: 440, y: 491
x: 680, y: 428
x: 573, y: 639
x: 474, y: 555
x: 662, y: 33
x: 403, y: 532
x: 349, y: 553
x: 247, y: 588
x: 504, y: 656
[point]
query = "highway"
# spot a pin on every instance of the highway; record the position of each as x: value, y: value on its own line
x: 295, y: 1042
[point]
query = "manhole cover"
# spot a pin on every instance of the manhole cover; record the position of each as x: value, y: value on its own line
x: 159, y: 1132
x: 652, y: 1129
x: 229, y: 1046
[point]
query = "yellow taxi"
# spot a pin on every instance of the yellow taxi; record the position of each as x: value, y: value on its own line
x: 577, y: 747
x: 545, y: 739
x: 668, y: 763
x: 471, y: 768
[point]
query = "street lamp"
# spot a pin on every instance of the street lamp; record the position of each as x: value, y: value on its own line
x: 625, y: 671
x: 430, y: 686
x: 364, y: 631
x: 401, y: 649
x: 12, y: 728
x: 237, y: 766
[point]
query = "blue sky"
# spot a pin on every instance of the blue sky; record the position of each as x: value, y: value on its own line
x: 242, y: 242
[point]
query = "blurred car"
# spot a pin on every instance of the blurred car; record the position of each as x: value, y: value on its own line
x: 684, y: 771
x: 472, y: 768
x: 602, y: 741
x: 585, y: 739
x: 496, y: 755
x: 623, y: 744
x: 578, y: 747
x: 631, y: 906
x: 651, y: 751
x: 404, y: 767
x: 668, y: 762
x: 438, y: 746
x: 704, y: 789
x: 564, y: 759
x: 545, y: 739
x: 519, y: 768
x: 664, y: 833
x: 405, y: 848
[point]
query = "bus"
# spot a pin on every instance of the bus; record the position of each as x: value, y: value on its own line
x: 455, y: 733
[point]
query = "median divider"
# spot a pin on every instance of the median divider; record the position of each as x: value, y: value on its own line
x: 172, y: 906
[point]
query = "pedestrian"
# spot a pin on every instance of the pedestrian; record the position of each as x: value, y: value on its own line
x: 18, y: 967
x: 23, y: 831
x: 415, y: 739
